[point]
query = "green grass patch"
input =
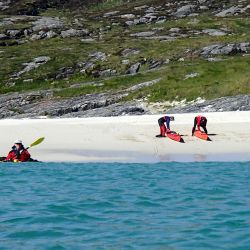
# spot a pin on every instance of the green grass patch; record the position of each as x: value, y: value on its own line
x: 226, y: 78
x: 118, y: 83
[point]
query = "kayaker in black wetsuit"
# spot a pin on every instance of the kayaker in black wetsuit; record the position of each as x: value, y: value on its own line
x: 163, y: 128
x: 200, y: 121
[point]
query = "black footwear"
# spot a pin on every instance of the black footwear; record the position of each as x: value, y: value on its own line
x: 160, y: 136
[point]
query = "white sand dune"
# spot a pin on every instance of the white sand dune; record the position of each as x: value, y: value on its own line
x: 130, y: 138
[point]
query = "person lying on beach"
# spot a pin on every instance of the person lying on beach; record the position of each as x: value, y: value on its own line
x: 163, y: 128
x: 18, y: 153
x: 200, y: 121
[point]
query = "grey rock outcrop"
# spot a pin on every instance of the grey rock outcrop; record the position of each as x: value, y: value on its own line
x: 143, y: 34
x: 129, y: 52
x: 128, y: 16
x: 228, y: 49
x: 74, y: 33
x: 214, y: 32
x: 5, y: 22
x: 37, y: 62
x: 96, y: 56
x: 111, y: 13
x: 41, y: 103
x: 14, y: 33
x: 223, y: 104
x: 229, y: 12
x: 3, y: 37
x: 104, y: 73
x: 153, y: 64
x: 184, y: 11
x: 116, y: 109
x: 47, y: 23
x: 65, y: 72
x: 134, y: 68
x: 143, y: 85
x: 40, y: 35
x: 191, y: 75
x: 5, y: 4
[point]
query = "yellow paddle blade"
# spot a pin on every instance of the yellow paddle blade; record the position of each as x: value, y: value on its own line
x: 38, y: 141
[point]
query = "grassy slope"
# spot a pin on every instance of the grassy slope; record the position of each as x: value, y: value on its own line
x: 229, y: 77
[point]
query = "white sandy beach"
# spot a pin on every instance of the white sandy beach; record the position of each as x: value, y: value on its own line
x: 130, y: 138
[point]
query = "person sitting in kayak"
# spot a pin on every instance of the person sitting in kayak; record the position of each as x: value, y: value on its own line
x: 200, y: 121
x: 163, y: 128
x: 18, y: 153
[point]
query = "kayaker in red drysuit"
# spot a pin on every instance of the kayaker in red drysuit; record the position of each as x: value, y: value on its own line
x: 164, y: 129
x: 18, y: 153
x: 200, y: 121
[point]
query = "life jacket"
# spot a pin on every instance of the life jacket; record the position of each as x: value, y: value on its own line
x: 22, y: 156
x: 200, y: 119
x: 11, y: 156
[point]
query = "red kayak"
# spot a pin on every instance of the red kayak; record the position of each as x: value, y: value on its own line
x: 201, y: 135
x: 174, y: 136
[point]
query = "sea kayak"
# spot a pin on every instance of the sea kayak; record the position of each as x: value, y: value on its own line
x: 2, y: 159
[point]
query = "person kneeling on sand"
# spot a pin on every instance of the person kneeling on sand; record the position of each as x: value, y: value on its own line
x: 163, y: 128
x: 18, y: 153
x: 200, y: 121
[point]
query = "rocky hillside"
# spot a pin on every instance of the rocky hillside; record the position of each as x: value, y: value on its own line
x: 102, y: 58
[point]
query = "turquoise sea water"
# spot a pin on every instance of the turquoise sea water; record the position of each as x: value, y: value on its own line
x: 125, y: 206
